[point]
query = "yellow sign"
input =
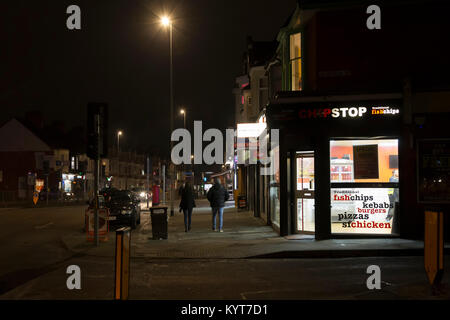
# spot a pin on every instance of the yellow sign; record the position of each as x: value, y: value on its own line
x: 434, y: 246
x: 39, y: 185
x: 35, y: 197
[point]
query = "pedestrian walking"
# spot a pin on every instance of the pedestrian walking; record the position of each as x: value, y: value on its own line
x: 187, y: 204
x: 217, y: 195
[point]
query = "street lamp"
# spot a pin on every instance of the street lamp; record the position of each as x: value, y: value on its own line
x: 119, y: 133
x: 184, y: 117
x: 166, y: 22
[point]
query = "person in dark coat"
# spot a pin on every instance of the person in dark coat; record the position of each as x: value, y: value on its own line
x: 217, y: 195
x: 187, y: 204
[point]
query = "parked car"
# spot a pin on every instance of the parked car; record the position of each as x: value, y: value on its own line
x: 142, y: 194
x: 124, y: 208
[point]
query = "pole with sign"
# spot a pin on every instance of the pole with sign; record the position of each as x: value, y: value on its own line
x: 35, y: 197
x: 97, y: 117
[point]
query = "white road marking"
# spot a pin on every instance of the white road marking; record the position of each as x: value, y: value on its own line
x: 44, y: 226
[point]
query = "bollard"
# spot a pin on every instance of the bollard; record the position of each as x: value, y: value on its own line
x: 434, y: 246
x: 122, y: 269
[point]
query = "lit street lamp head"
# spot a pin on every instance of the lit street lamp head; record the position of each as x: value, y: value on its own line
x: 182, y: 111
x: 119, y: 133
x: 165, y: 21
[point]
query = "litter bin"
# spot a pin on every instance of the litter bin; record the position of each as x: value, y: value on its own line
x: 159, y: 222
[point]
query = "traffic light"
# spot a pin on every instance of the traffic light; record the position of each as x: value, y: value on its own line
x: 97, y: 130
x: 82, y: 168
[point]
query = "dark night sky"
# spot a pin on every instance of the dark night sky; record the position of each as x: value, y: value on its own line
x: 121, y: 56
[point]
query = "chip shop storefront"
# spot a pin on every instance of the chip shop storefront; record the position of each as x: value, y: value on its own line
x: 337, y: 168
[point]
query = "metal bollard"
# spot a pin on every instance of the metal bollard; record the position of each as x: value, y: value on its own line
x: 122, y: 269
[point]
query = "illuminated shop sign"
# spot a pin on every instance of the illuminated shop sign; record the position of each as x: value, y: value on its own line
x: 385, y: 110
x: 250, y: 130
x: 363, y: 210
x: 346, y: 112
x: 363, y: 205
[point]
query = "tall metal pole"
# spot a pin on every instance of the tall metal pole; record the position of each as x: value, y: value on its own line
x: 148, y: 180
x: 164, y: 184
x: 96, y: 179
x: 184, y: 126
x: 172, y: 175
x: 46, y: 185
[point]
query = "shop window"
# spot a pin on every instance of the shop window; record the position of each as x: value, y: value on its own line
x: 275, y: 186
x: 364, y: 180
x: 295, y: 58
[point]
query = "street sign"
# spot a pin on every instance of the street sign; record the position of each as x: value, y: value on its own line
x: 434, y: 246
x: 103, y: 229
x: 35, y: 197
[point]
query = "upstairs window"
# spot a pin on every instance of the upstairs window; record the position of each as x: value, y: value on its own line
x: 295, y: 60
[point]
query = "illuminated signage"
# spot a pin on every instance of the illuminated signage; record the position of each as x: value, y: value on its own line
x: 346, y: 112
x: 385, y: 110
x: 250, y: 130
x: 39, y: 185
x: 364, y: 210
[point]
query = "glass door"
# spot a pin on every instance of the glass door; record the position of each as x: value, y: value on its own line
x: 304, y: 193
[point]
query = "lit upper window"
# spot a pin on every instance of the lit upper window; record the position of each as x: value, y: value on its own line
x: 295, y: 61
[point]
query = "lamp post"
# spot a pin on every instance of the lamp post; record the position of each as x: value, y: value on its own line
x: 167, y: 23
x: 184, y: 117
x: 119, y: 133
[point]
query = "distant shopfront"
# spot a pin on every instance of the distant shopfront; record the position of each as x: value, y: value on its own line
x: 337, y: 169
x: 73, y: 185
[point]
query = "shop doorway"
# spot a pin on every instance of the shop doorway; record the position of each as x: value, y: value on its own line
x: 304, y: 192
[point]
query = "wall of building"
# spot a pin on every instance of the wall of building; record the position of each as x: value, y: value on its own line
x: 352, y: 57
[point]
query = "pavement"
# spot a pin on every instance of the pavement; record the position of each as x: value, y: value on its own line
x: 244, y: 236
